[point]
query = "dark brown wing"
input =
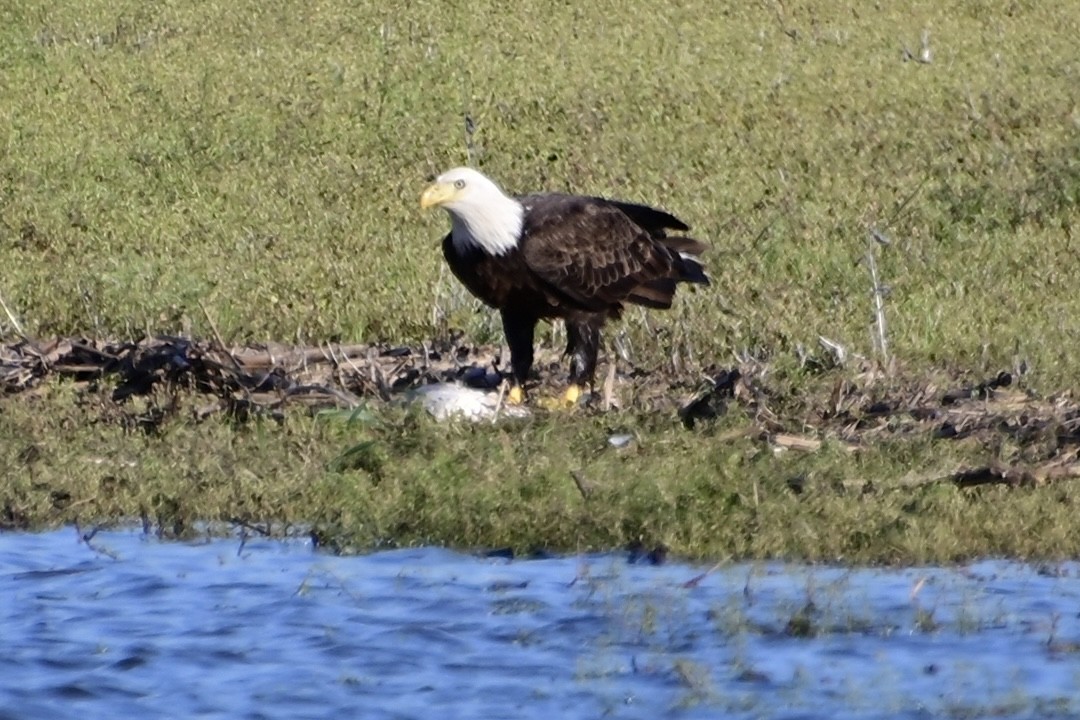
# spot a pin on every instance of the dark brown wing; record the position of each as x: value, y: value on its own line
x: 653, y: 220
x: 599, y: 254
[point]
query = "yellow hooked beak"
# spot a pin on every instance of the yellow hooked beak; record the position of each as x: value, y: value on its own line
x: 437, y: 194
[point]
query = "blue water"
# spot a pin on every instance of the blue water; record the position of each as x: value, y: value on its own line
x: 130, y: 626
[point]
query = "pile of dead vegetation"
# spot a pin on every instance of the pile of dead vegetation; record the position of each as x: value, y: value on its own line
x: 266, y: 377
x: 849, y: 408
x: 1034, y: 439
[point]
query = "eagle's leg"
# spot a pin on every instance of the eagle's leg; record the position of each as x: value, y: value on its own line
x: 582, y: 345
x: 519, y: 331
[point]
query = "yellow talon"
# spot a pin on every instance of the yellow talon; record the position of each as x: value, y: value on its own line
x: 573, y: 394
x: 516, y: 396
x: 567, y: 401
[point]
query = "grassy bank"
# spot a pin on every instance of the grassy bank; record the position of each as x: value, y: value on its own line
x: 834, y: 468
x: 252, y: 172
x: 717, y: 492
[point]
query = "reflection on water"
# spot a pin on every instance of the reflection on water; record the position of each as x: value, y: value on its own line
x: 134, y: 627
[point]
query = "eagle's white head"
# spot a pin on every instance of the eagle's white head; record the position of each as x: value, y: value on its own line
x: 481, y: 214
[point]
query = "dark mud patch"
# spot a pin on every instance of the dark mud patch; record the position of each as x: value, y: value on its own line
x: 1037, y: 438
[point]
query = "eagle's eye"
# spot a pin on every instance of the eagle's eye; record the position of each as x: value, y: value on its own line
x: 459, y: 184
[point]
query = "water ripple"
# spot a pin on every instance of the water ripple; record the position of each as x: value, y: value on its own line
x: 133, y: 626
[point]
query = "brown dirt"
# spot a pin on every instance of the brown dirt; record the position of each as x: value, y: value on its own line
x: 860, y: 407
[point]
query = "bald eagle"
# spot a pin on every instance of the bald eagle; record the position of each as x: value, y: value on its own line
x: 553, y: 255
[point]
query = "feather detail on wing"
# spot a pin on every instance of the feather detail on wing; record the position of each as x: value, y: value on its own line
x: 599, y: 253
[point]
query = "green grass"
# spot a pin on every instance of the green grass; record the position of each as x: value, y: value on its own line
x: 405, y: 479
x: 265, y: 161
x: 268, y: 162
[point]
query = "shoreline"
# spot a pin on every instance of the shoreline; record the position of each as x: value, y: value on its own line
x: 845, y: 464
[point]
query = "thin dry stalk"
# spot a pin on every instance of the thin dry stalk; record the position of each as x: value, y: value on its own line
x: 696, y: 580
x: 217, y: 336
x: 499, y: 401
x: 879, y: 291
x: 609, y: 386
x: 378, y: 380
x: 12, y: 319
x: 439, y: 314
x: 582, y: 484
x: 470, y: 146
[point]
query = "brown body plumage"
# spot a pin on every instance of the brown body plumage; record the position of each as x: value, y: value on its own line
x: 561, y: 256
